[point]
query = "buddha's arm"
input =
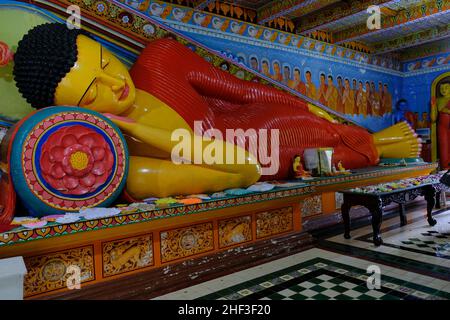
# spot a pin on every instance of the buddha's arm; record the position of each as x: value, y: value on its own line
x: 216, y: 155
x: 213, y: 82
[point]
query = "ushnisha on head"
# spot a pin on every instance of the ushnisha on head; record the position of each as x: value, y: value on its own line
x: 55, y: 65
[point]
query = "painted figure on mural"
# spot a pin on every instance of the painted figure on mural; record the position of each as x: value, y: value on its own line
x: 440, y: 113
x: 297, y: 83
x: 403, y: 113
x: 361, y: 105
x: 331, y: 95
x: 340, y: 90
x: 387, y: 99
x: 265, y: 68
x: 277, y: 76
x: 416, y: 120
x: 375, y: 100
x: 355, y: 91
x: 423, y: 122
x: 286, y: 75
x: 310, y: 87
x: 348, y: 98
x: 367, y: 93
x: 165, y: 91
x: 322, y: 90
x: 381, y: 97
x: 254, y: 64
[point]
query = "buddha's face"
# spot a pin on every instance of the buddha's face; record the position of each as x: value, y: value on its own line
x: 445, y: 90
x: 98, y: 81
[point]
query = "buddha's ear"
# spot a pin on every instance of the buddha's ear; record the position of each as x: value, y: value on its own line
x: 6, y: 54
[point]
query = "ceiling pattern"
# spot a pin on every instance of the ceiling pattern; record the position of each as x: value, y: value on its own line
x: 405, y: 24
x: 290, y: 8
x: 416, y: 18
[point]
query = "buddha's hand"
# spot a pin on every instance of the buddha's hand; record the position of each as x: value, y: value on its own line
x: 155, y: 137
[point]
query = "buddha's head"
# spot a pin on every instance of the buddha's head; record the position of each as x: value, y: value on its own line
x: 445, y: 90
x: 55, y: 65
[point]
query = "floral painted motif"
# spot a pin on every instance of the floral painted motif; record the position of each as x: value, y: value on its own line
x: 73, y: 160
x: 76, y: 160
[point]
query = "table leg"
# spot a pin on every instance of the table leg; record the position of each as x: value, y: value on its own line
x: 438, y: 199
x: 345, y: 209
x: 430, y: 197
x: 377, y: 218
x: 403, y: 219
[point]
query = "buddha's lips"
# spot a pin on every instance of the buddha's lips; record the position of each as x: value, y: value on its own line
x: 125, y: 92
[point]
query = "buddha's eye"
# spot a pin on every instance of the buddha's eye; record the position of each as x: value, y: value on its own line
x: 105, y: 63
x: 91, y: 94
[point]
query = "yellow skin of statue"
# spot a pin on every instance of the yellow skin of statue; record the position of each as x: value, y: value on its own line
x: 97, y: 82
x: 442, y: 102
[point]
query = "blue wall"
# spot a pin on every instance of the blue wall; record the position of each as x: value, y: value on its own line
x: 417, y: 90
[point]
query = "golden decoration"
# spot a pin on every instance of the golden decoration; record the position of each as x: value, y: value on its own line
x: 48, y: 272
x: 274, y: 222
x: 234, y: 231
x: 120, y: 256
x: 184, y: 242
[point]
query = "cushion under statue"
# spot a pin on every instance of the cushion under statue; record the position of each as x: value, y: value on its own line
x: 63, y: 159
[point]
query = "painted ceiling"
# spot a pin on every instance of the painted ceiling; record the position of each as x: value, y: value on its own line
x: 405, y: 24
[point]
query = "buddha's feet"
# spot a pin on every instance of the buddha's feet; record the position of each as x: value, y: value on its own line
x: 398, y: 141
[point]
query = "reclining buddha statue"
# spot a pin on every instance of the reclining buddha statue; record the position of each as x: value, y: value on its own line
x: 170, y: 87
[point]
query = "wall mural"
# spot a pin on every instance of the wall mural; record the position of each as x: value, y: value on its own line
x: 186, y: 17
x: 440, y: 60
x: 350, y: 96
x: 365, y: 96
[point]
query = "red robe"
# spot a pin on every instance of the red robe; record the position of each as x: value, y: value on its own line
x: 444, y: 139
x: 198, y: 91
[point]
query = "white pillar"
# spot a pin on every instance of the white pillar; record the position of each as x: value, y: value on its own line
x: 12, y: 272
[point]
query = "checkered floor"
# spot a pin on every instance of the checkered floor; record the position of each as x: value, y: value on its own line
x: 413, y: 264
x: 320, y: 275
x: 321, y: 279
x: 433, y: 241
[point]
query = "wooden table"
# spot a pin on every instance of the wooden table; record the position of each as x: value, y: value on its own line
x: 376, y: 201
